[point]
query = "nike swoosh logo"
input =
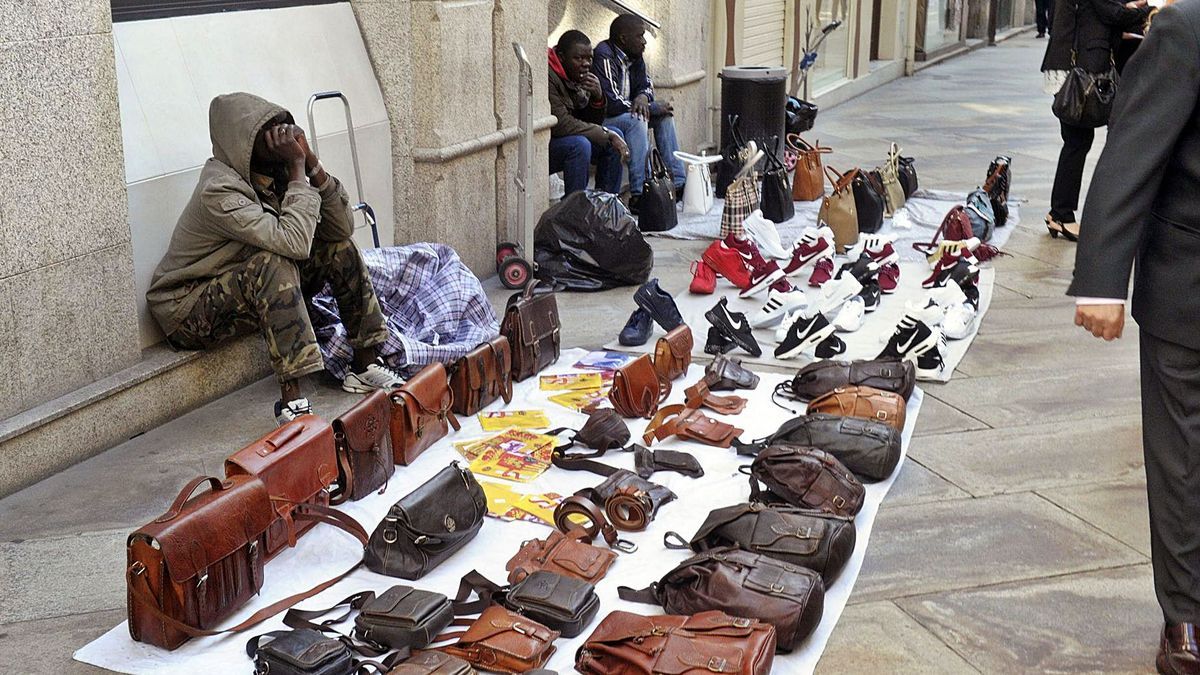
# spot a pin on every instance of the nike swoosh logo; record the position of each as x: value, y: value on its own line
x: 908, y: 345
x: 730, y: 319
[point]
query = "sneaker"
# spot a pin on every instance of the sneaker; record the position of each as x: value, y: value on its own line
x: 659, y: 304
x: 962, y: 269
x: 878, y: 246
x: 814, y: 245
x: 947, y: 296
x: 727, y: 263
x: 870, y: 295
x: 783, y: 286
x: 911, y: 338
x: 804, y: 334
x: 745, y: 247
x: 952, y: 246
x: 889, y: 278
x: 781, y: 330
x: 637, y: 330
x: 928, y: 312
x: 778, y: 305
x: 376, y: 376
x: 286, y: 412
x: 830, y: 347
x: 717, y: 343
x: 735, y: 327
x: 762, y: 278
x: 830, y: 297
x: 930, y: 363
x: 850, y: 316
x: 959, y: 321
x: 822, y: 272
x: 971, y: 291
x: 704, y: 278
x: 862, y: 268
x: 765, y: 236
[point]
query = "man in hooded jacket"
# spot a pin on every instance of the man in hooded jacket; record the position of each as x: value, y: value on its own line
x: 266, y: 229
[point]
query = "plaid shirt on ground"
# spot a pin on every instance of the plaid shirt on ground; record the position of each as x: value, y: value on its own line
x: 435, y: 308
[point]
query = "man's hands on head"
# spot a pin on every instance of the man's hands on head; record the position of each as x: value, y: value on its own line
x: 284, y: 142
x: 640, y: 107
x: 1104, y: 321
x: 591, y: 84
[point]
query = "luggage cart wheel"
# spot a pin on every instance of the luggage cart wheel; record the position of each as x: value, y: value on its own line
x: 515, y: 272
x: 507, y: 249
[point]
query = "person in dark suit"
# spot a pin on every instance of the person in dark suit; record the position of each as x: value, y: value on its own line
x: 1144, y: 208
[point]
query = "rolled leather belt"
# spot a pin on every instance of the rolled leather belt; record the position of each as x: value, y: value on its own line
x: 596, y: 525
x: 629, y: 510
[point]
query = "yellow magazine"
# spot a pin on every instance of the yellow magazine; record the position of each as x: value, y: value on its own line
x: 570, y: 382
x: 514, y: 454
x: 514, y: 419
x: 581, y: 401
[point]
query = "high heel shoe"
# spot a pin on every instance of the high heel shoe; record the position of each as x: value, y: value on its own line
x: 1067, y: 232
x: 1054, y: 227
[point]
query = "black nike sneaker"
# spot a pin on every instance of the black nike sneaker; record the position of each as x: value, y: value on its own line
x: 830, y: 347
x: 717, y: 343
x: 962, y: 272
x: 870, y: 295
x: 930, y: 363
x: 735, y: 326
x: 911, y: 339
x: 863, y: 269
x: 804, y: 334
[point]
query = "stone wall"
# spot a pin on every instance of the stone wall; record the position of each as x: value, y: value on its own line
x: 67, y: 313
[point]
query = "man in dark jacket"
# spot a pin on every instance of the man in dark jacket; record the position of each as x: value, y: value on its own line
x: 578, y: 139
x: 1143, y: 212
x: 621, y: 67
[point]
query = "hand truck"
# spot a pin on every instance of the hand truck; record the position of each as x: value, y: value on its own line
x: 362, y: 206
x: 514, y: 270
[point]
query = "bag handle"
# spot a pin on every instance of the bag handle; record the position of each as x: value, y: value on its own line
x: 772, y: 159
x: 186, y: 493
x: 474, y: 582
x: 658, y: 168
x: 283, y: 436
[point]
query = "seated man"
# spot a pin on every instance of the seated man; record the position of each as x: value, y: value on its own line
x: 578, y: 140
x: 265, y: 230
x: 632, y: 110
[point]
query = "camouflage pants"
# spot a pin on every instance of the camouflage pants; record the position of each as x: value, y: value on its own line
x: 269, y: 293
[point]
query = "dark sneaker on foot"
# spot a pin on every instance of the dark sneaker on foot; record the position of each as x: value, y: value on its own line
x: 735, y: 326
x: 804, y: 334
x: 637, y: 330
x: 659, y: 304
x: 718, y: 343
x: 286, y: 412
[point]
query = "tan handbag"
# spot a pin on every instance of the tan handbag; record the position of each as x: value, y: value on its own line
x: 862, y: 401
x: 889, y: 175
x: 808, y: 184
x: 673, y: 353
x: 638, y: 389
x: 839, y: 211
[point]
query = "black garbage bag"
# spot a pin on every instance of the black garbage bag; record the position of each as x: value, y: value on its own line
x: 800, y: 115
x: 589, y: 242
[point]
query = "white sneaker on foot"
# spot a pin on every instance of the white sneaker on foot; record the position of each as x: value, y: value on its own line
x: 376, y: 376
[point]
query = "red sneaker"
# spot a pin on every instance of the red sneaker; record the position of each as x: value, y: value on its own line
x: 749, y: 252
x: 814, y: 245
x: 822, y: 272
x: 704, y: 279
x: 727, y: 263
x: 783, y: 286
x: 889, y: 278
x: 767, y: 276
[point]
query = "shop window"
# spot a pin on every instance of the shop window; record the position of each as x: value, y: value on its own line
x: 134, y: 10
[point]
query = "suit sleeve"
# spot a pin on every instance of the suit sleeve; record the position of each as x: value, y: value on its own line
x: 1155, y: 101
x: 1115, y: 13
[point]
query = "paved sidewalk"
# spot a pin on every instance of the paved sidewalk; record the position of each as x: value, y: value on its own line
x: 1015, y: 539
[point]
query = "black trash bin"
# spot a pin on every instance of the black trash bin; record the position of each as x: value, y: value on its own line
x: 758, y: 96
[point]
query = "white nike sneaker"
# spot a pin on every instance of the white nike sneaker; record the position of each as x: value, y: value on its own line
x: 959, y: 321
x: 850, y: 318
x: 927, y: 311
x: 878, y: 246
x: 947, y: 296
x: 765, y: 236
x: 778, y: 305
x: 830, y: 297
x: 376, y: 376
x: 781, y: 330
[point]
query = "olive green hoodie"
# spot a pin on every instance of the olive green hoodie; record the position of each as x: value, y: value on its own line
x: 227, y: 220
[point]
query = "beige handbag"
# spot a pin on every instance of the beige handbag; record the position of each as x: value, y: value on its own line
x: 808, y: 184
x: 889, y: 174
x: 839, y: 211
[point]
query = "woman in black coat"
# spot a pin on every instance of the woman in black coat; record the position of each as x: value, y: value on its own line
x: 1091, y: 30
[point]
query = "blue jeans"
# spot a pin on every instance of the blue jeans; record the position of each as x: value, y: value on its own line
x: 637, y: 137
x: 572, y: 155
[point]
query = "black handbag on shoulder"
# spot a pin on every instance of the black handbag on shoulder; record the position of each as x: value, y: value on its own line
x: 776, y: 197
x: 1086, y: 99
x: 656, y: 207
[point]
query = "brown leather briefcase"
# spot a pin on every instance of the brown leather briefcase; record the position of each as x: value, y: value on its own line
x: 482, y: 376
x: 673, y: 353
x: 531, y: 325
x: 700, y: 644
x: 637, y: 389
x: 862, y: 401
x: 364, y: 448
x: 421, y: 413
x: 298, y: 463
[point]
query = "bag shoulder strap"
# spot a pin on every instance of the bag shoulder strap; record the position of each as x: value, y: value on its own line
x: 648, y: 595
x: 474, y: 582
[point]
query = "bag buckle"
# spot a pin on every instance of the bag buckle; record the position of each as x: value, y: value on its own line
x: 137, y: 568
x: 625, y: 546
x: 741, y: 622
x: 716, y: 664
x: 389, y: 536
x: 839, y: 501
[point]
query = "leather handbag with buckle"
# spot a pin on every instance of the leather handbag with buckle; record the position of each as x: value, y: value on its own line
x: 421, y: 413
x: 428, y: 525
x: 805, y: 478
x: 690, y: 424
x: 839, y: 210
x: 403, y: 616
x: 699, y: 644
x: 870, y: 449
x: 789, y: 597
x: 299, y: 652
x: 630, y: 501
x: 673, y: 353
x: 297, y: 462
x: 531, y: 325
x: 482, y: 376
x: 889, y: 176
x: 431, y: 662
x: 561, y: 603
x: 500, y: 641
x: 728, y: 374
x: 808, y: 183
x: 820, y: 541
x: 364, y: 448
x: 637, y: 389
x: 862, y: 401
x: 564, y: 554
x: 699, y: 395
x: 820, y: 378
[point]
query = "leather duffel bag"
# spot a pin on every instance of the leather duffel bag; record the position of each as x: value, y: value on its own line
x: 789, y: 597
x: 820, y: 541
x: 298, y: 464
x: 428, y: 525
x: 500, y: 641
x: 821, y: 377
x: 482, y: 376
x: 531, y: 325
x: 637, y: 389
x: 805, y: 478
x: 699, y: 644
x: 869, y: 449
x: 866, y: 402
x: 673, y: 353
x: 563, y: 554
x: 421, y: 413
x: 364, y: 448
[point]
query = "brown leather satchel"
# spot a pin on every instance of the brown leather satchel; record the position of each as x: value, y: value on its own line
x: 839, y: 210
x: 821, y: 377
x: 809, y: 182
x: 637, y: 389
x: 862, y: 401
x: 689, y: 424
x: 532, y: 328
x: 297, y: 462
x: 364, y: 448
x: 699, y: 644
x: 500, y: 641
x: 421, y: 413
x: 482, y: 376
x: 432, y: 662
x: 673, y: 353
x: 806, y: 478
x: 563, y: 554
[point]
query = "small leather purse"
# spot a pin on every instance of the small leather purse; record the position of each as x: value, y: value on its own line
x: 870, y: 449
x: 728, y: 374
x: 808, y: 183
x: 603, y: 430
x: 421, y: 413
x: 300, y: 652
x: 563, y: 554
x: 862, y: 401
x: 698, y: 644
x: 673, y: 353
x: 700, y: 396
x: 403, y: 616
x: 821, y: 377
x: 689, y: 424
x: 805, y: 478
x: 649, y: 462
x: 839, y: 210
x: 531, y: 325
x: 482, y: 376
x: 564, y: 604
x: 432, y: 662
x: 637, y: 389
x: 364, y: 449
x: 500, y: 641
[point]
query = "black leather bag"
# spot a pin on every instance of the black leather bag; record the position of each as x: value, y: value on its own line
x: 561, y: 603
x: 299, y: 652
x: 428, y: 525
x: 908, y: 177
x: 776, y: 197
x: 403, y: 616
x: 656, y: 207
x: 868, y: 448
x: 731, y: 158
x: 799, y: 115
x: 821, y: 377
x: 868, y: 200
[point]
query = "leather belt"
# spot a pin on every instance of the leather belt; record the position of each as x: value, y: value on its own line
x: 595, y: 524
x: 629, y: 510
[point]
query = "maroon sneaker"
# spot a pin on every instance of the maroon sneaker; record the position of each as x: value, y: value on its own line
x: 762, y: 278
x: 821, y: 273
x: 816, y: 243
x: 747, y: 250
x: 889, y: 278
